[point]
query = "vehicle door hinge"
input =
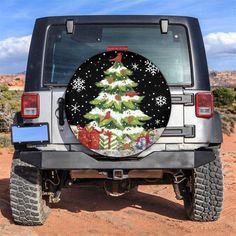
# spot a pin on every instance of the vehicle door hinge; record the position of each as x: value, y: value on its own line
x: 185, y: 99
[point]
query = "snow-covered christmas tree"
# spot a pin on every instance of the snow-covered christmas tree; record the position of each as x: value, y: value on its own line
x: 117, y: 109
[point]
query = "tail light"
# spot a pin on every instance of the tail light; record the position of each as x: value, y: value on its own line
x: 204, y: 105
x: 30, y: 105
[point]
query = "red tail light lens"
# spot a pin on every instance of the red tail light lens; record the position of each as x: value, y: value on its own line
x: 30, y: 105
x: 204, y: 105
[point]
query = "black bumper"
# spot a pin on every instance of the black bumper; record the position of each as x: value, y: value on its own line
x: 79, y: 160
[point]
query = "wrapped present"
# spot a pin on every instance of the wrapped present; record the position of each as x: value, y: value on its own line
x: 88, y: 137
x: 108, y: 140
x: 142, y: 141
x: 144, y: 138
x: 147, y: 137
x: 82, y: 135
x: 94, y: 139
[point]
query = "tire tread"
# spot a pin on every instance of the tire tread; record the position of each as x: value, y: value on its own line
x: 207, y: 199
x: 28, y: 207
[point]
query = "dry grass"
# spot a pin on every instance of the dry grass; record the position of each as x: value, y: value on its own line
x: 5, y: 140
x: 228, y: 118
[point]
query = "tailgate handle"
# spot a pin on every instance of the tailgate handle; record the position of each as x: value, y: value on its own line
x: 61, y: 105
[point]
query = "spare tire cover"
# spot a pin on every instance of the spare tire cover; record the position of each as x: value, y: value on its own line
x: 117, y: 103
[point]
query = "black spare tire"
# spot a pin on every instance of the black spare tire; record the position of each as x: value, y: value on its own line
x: 117, y: 103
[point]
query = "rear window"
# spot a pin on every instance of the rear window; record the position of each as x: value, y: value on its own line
x: 66, y: 52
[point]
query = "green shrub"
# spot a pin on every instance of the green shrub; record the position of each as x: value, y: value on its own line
x: 10, y: 103
x: 228, y: 120
x: 5, y: 142
x: 7, y: 94
x: 3, y: 88
x: 228, y: 123
x: 223, y: 97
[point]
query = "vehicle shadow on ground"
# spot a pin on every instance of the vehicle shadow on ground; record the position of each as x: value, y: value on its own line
x: 5, y: 209
x: 94, y: 198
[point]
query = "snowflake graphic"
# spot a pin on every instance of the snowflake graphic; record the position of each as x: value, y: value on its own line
x: 151, y: 68
x: 160, y: 101
x: 157, y: 121
x: 78, y: 84
x: 75, y: 108
x: 134, y: 66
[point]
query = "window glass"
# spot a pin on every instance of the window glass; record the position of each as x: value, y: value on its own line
x: 66, y: 52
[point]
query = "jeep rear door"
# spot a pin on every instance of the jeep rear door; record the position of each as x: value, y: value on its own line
x: 169, y: 52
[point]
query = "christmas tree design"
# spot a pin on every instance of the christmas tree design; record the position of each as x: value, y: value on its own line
x: 117, y: 109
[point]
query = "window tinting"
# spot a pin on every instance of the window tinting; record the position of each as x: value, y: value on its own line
x: 66, y: 52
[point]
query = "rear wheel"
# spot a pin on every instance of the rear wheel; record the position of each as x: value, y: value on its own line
x: 27, y: 204
x: 203, y: 198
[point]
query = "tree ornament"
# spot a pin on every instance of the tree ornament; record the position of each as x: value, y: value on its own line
x: 130, y: 119
x: 124, y: 72
x: 110, y: 80
x: 126, y: 146
x: 118, y: 97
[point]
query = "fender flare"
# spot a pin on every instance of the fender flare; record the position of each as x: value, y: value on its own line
x: 17, y: 119
x: 216, y: 131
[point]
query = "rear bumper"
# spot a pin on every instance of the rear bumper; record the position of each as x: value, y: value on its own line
x: 79, y: 160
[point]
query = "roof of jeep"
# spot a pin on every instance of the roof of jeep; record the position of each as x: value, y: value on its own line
x: 117, y: 19
x: 199, y: 69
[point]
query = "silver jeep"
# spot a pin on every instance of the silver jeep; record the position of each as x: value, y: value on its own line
x: 48, y: 157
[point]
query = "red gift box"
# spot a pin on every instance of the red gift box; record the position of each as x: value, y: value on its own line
x: 88, y: 137
x: 94, y: 139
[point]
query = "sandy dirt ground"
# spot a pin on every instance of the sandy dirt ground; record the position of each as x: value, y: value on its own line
x: 149, y: 210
